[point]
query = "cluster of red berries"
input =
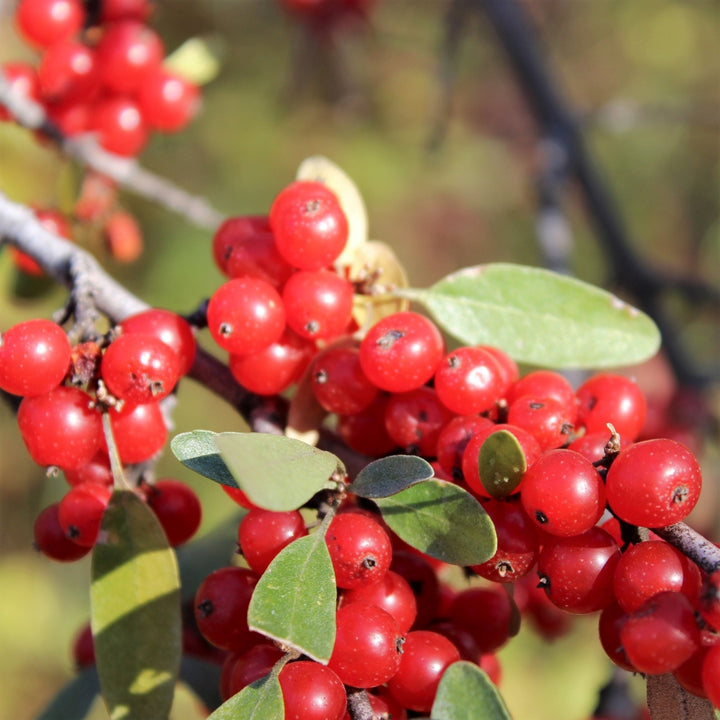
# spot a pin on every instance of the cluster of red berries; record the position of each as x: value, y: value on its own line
x: 101, y: 74
x: 65, y: 388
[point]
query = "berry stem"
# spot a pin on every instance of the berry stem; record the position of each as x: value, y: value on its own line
x: 358, y: 705
x: 705, y: 554
x: 119, y: 480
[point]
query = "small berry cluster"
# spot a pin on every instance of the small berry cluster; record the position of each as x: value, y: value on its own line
x: 102, y: 73
x: 398, y: 626
x: 64, y: 388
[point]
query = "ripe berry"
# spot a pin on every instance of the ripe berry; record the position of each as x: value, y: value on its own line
x: 67, y: 72
x: 34, y: 357
x: 425, y: 657
x: 167, y: 326
x: 83, y: 649
x: 318, y: 305
x: 97, y: 471
x: 414, y: 420
x: 251, y: 665
x: 177, y: 507
x: 276, y: 368
x: 454, y: 438
x: 548, y: 420
x: 246, y: 315
x: 50, y: 539
x: 711, y: 675
x: 401, y: 352
x: 365, y: 431
x: 469, y: 380
x: 59, y: 427
x: 140, y: 432
x: 423, y: 581
x: 545, y: 384
x: 577, y: 572
x: 140, y: 368
x: 338, y: 382
x: 311, y: 692
x: 368, y: 645
x: 609, y: 398
x: 610, y: 622
x: 563, y: 493
x: 359, y: 548
x: 486, y: 613
x: 113, y: 10
x: 120, y: 125
x: 81, y: 510
x: 392, y: 593
x: 309, y: 225
x: 167, y: 101
x: 661, y: 634
x: 45, y: 22
x: 654, y: 483
x: 122, y: 236
x: 221, y: 604
x: 263, y: 534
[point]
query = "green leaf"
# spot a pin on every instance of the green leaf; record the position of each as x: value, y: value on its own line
x: 294, y: 600
x: 539, y: 317
x: 75, y: 699
x: 467, y: 693
x: 276, y: 472
x: 135, y: 599
x: 501, y: 463
x: 261, y: 700
x: 442, y: 520
x: 390, y: 475
x: 196, y: 60
x: 197, y: 450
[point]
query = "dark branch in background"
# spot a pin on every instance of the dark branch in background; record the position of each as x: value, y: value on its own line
x: 559, y: 124
x: 124, y: 171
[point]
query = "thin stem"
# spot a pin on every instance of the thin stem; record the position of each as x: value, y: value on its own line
x: 358, y: 705
x: 119, y: 480
x: 705, y: 554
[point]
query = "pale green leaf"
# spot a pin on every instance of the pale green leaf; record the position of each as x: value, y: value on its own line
x: 467, y: 693
x: 390, y: 475
x: 197, y: 451
x: 442, y: 520
x: 135, y: 601
x: 196, y: 60
x: 539, y: 317
x: 261, y: 700
x: 294, y: 600
x: 501, y: 463
x: 276, y: 472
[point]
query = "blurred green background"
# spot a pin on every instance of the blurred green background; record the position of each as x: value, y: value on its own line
x: 643, y: 76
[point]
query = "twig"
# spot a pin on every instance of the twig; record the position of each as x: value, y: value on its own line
x: 705, y: 554
x: 124, y: 171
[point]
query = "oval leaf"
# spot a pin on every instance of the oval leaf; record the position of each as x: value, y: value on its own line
x: 197, y: 450
x: 501, y: 463
x: 276, y: 472
x: 294, y: 600
x: 75, y: 699
x: 539, y: 317
x: 261, y: 700
x: 389, y: 475
x: 467, y: 693
x: 135, y: 600
x: 197, y: 60
x: 320, y: 169
x: 442, y: 520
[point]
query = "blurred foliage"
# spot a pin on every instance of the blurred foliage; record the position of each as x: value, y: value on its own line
x: 643, y: 77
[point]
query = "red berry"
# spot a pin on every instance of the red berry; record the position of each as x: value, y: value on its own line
x: 120, y: 125
x: 177, y: 507
x: 563, y: 493
x: 310, y: 226
x: 50, y: 539
x: 486, y: 613
x: 360, y: 549
x: 401, y: 352
x: 318, y: 305
x: 610, y: 622
x: 276, y: 368
x: 97, y: 471
x: 127, y: 52
x: 243, y: 235
x: 577, y: 572
x: 140, y: 432
x: 34, y: 357
x: 364, y: 432
x: 711, y: 675
x: 112, y: 10
x: 122, y: 236
x: 251, y: 665
x: 548, y: 420
x: 469, y: 380
x: 263, y: 534
x: 60, y: 428
x: 425, y: 657
x: 311, y: 692
x: 368, y: 645
x: 140, y: 368
x: 423, y: 581
x: 67, y: 72
x: 45, y: 22
x: 392, y: 593
x: 454, y: 438
x: 167, y: 326
x: 221, y: 604
x: 654, y: 483
x: 608, y: 398
x: 22, y: 81
x: 246, y: 315
x: 83, y: 649
x: 167, y: 101
x: 81, y: 510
